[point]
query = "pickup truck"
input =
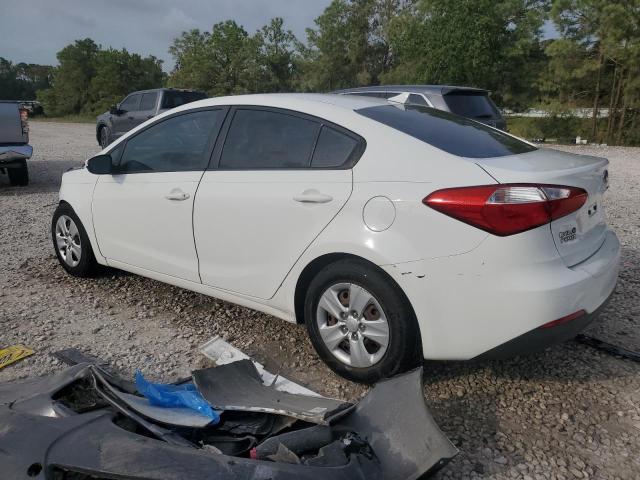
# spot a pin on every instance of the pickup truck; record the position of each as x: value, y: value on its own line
x: 14, y: 141
x: 138, y: 107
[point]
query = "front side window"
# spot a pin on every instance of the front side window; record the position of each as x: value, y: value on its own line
x: 177, y: 144
x: 130, y: 104
x: 262, y: 139
x: 452, y: 133
x: 148, y: 101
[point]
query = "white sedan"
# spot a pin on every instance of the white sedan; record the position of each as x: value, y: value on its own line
x: 393, y: 233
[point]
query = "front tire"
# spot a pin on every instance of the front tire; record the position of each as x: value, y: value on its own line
x: 104, y: 137
x: 19, y: 176
x: 71, y: 243
x: 361, y: 323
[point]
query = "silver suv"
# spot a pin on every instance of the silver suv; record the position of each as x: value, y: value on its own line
x: 473, y: 103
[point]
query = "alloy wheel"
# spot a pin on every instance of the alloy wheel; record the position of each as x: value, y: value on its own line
x: 68, y: 241
x: 352, y: 325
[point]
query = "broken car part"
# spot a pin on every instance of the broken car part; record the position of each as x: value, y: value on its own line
x: 608, y: 347
x: 388, y: 435
x: 238, y: 386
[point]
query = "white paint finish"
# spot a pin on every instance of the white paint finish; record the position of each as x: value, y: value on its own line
x: 251, y: 227
x: 255, y: 230
x: 468, y: 304
x: 548, y: 166
x: 137, y: 224
x: 77, y: 189
x: 378, y: 214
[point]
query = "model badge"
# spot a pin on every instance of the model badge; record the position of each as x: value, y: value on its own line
x: 567, y: 235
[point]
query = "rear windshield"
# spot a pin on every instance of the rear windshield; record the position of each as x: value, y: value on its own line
x: 175, y: 99
x: 471, y: 105
x: 452, y: 133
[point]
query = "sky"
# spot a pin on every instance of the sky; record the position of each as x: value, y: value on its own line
x: 32, y: 31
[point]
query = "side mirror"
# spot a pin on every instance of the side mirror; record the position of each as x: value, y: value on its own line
x: 100, y: 164
x: 114, y: 110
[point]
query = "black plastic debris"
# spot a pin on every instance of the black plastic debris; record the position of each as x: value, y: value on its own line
x: 79, y: 425
x: 238, y: 386
x: 607, y: 347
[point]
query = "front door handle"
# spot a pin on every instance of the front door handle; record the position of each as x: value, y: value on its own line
x: 313, y: 196
x: 177, y: 195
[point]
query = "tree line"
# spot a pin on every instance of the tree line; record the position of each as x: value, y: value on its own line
x: 593, y: 61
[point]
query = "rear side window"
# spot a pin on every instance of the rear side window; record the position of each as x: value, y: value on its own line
x: 471, y: 105
x: 451, y: 133
x: 130, y: 104
x: 148, y: 101
x: 177, y: 144
x: 333, y: 149
x: 173, y: 99
x: 261, y: 139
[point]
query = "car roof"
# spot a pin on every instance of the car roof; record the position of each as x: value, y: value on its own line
x: 432, y: 89
x: 291, y: 100
x: 165, y: 89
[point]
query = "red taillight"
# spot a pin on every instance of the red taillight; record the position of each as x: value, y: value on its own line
x: 562, y: 320
x: 24, y: 120
x: 507, y: 209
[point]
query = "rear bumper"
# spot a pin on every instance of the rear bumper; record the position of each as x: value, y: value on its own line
x: 14, y: 153
x: 470, y: 304
x: 540, y: 338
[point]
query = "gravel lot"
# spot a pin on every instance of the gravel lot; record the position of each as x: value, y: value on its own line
x: 569, y: 412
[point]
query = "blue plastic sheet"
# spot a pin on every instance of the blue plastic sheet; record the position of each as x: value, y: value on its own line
x: 172, y: 396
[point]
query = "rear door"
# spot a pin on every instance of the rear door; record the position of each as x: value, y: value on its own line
x: 279, y: 179
x: 143, y: 214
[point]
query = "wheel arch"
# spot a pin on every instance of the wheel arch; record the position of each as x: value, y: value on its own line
x: 314, y: 266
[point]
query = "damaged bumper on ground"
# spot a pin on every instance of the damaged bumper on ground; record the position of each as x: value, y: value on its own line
x: 87, y: 423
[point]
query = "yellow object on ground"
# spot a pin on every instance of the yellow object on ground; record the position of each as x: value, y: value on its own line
x: 13, y: 354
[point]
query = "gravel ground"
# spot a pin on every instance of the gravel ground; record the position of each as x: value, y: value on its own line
x: 569, y: 412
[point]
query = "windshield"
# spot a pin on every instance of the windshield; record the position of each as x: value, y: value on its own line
x: 176, y: 98
x: 452, y: 133
x: 471, y: 105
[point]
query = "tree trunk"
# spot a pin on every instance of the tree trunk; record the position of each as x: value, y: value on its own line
x: 622, y: 118
x: 596, y: 99
x: 611, y: 102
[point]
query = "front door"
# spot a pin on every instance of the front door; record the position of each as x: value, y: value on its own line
x: 124, y: 121
x: 280, y: 179
x: 143, y: 214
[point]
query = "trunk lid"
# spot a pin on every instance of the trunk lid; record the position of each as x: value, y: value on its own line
x: 579, y: 235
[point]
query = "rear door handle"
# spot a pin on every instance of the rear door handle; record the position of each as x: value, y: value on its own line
x: 177, y: 195
x: 313, y: 196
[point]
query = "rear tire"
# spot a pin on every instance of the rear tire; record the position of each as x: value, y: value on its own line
x: 71, y: 243
x: 373, y: 333
x: 19, y: 176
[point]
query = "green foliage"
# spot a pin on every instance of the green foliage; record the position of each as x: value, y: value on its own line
x: 483, y: 43
x: 20, y: 81
x: 88, y: 79
x: 492, y: 44
x: 350, y: 44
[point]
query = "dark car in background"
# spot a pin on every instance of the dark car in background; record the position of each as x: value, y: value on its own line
x: 473, y: 103
x: 14, y: 141
x: 138, y: 107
